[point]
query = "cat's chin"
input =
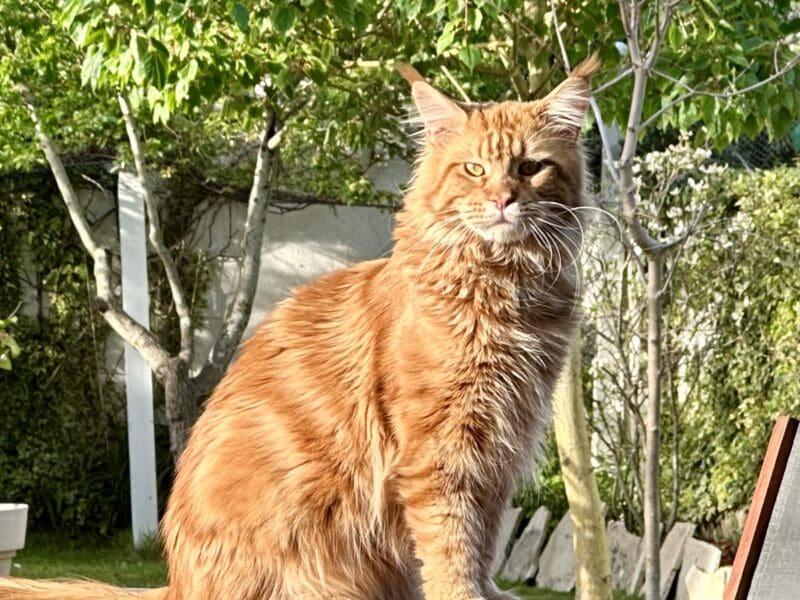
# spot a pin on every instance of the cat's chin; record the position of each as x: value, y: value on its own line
x: 503, y: 233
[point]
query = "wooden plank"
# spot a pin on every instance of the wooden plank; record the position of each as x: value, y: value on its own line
x: 755, y: 527
x: 776, y: 574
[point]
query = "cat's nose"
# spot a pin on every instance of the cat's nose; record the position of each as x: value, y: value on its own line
x: 505, y: 199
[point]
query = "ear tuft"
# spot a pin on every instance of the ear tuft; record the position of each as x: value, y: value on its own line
x: 439, y: 114
x: 587, y: 69
x: 567, y: 104
x: 409, y: 73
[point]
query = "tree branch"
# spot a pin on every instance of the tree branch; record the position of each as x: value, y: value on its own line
x: 561, y: 45
x: 239, y: 314
x: 121, y: 322
x: 721, y: 95
x: 154, y: 234
x: 620, y: 76
x: 455, y: 84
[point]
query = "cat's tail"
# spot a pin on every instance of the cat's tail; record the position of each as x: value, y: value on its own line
x: 12, y: 588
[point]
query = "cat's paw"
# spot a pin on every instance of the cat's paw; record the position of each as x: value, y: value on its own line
x: 494, y: 593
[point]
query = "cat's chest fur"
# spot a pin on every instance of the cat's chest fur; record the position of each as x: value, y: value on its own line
x: 492, y: 341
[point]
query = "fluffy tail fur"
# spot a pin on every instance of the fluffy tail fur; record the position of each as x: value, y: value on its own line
x: 12, y: 588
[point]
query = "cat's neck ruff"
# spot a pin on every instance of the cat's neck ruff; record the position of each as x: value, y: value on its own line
x: 455, y: 271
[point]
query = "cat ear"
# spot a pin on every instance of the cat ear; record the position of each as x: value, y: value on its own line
x: 440, y: 115
x: 567, y: 104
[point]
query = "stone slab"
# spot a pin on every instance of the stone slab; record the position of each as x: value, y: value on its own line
x: 672, y: 554
x: 508, y: 527
x: 706, y: 586
x: 703, y: 556
x: 625, y: 549
x: 523, y: 562
x: 557, y: 562
x: 637, y: 577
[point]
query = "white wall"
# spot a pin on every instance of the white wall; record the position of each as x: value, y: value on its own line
x: 299, y: 245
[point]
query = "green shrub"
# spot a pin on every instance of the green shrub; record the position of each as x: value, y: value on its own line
x: 752, y: 374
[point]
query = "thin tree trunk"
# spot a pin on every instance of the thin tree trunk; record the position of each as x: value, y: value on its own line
x: 652, y: 492
x: 592, y: 559
x: 239, y: 312
x: 181, y: 405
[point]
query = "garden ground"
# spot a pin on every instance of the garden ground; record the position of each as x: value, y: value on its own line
x: 113, y: 560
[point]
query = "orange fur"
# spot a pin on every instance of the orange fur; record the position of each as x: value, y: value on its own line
x: 366, y: 440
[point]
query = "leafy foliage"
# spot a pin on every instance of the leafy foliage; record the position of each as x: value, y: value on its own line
x: 8, y: 345
x: 62, y: 435
x: 752, y: 375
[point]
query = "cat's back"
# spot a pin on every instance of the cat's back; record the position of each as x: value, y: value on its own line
x: 339, y: 312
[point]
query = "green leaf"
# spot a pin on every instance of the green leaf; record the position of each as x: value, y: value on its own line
x: 191, y: 71
x: 755, y: 43
x: 181, y: 90
x: 739, y: 59
x: 241, y: 16
x: 446, y: 38
x: 160, y: 113
x: 343, y: 9
x: 91, y: 67
x: 470, y: 56
x: 155, y: 69
x: 788, y: 99
x: 790, y: 26
x: 10, y: 343
x: 283, y: 18
x: 153, y: 95
x: 148, y: 7
x: 326, y: 50
x: 412, y: 9
x: 477, y: 19
x: 795, y: 137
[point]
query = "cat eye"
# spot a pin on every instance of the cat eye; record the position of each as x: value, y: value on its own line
x: 529, y: 168
x: 474, y: 169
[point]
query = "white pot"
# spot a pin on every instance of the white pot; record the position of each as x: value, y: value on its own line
x: 13, y: 523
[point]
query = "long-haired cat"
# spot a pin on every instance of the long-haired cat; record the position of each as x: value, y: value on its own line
x: 366, y: 440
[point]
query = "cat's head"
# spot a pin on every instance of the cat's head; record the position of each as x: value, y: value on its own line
x: 507, y: 173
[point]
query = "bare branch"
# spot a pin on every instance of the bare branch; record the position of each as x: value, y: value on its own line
x: 561, y: 45
x: 620, y: 76
x: 239, y: 313
x: 105, y: 302
x: 154, y: 235
x: 455, y: 84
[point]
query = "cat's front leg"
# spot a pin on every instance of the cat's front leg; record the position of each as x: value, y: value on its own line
x: 492, y: 514
x: 445, y: 544
x: 442, y: 514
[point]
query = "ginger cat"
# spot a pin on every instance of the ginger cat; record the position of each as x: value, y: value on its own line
x: 366, y: 440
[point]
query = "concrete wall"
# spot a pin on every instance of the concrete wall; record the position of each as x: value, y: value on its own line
x: 299, y: 246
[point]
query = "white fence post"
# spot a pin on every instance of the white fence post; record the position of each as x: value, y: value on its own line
x: 138, y: 379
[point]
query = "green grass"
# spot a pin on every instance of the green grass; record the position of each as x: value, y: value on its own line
x: 543, y: 594
x: 112, y: 560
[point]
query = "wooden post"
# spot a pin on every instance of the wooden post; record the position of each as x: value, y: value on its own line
x: 138, y: 378
x: 758, y: 518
